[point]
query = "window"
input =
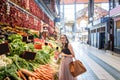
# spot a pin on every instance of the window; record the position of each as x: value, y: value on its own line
x: 118, y: 34
x: 117, y: 2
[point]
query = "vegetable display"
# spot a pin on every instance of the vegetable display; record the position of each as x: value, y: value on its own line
x: 2, y: 40
x: 44, y: 72
x: 14, y: 36
x: 12, y: 65
x: 17, y: 47
x: 42, y: 57
x: 4, y: 60
x: 9, y: 71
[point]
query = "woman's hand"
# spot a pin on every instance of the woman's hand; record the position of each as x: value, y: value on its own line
x: 63, y: 54
x: 66, y: 55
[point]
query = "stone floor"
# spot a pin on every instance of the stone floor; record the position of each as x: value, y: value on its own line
x: 99, y: 64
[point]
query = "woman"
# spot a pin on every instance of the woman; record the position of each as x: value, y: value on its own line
x: 67, y: 55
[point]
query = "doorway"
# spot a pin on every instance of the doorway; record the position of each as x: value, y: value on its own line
x: 102, y: 40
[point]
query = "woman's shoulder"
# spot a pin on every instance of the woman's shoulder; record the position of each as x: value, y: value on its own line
x: 69, y: 45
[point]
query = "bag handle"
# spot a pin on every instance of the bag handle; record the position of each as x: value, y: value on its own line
x: 74, y: 58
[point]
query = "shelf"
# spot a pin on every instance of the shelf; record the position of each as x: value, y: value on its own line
x: 23, y: 9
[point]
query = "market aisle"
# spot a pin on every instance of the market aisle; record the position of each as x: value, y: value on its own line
x: 100, y: 66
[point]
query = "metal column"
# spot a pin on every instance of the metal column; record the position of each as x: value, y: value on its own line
x: 90, y: 18
x: 63, y: 16
x: 74, y: 29
x: 90, y: 10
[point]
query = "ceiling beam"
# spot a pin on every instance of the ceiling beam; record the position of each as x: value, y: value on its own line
x: 83, y: 1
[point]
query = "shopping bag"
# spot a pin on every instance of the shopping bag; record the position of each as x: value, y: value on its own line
x: 76, y: 68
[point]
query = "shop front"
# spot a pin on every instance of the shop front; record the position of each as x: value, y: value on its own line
x: 115, y: 14
x: 117, y: 38
x: 98, y: 37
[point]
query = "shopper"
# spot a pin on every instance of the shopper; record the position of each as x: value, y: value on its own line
x: 67, y: 54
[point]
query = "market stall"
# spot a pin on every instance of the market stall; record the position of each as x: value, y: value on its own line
x: 23, y: 54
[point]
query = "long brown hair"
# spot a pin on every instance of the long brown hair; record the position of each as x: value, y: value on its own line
x: 67, y: 41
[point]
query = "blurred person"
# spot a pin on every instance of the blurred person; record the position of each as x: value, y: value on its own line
x: 67, y: 54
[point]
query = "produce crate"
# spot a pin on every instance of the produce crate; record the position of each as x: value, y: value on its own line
x: 38, y: 46
x: 4, y: 48
x: 28, y: 55
x: 30, y: 37
x: 24, y: 38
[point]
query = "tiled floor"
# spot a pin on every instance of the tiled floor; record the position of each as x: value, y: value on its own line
x: 100, y: 66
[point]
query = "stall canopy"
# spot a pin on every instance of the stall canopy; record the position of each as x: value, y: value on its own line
x: 81, y: 1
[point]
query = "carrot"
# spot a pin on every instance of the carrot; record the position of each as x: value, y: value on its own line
x: 42, y: 78
x: 25, y: 71
x: 44, y: 72
x: 40, y: 73
x: 38, y: 79
x: 47, y: 71
x: 29, y: 78
x: 34, y: 69
x: 33, y: 78
x: 46, y: 78
x: 46, y: 68
x: 18, y: 74
x: 36, y: 73
x: 22, y: 75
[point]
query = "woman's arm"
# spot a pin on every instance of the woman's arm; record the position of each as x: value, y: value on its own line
x: 71, y: 50
x: 63, y: 54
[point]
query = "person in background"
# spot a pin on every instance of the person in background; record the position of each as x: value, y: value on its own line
x: 67, y: 54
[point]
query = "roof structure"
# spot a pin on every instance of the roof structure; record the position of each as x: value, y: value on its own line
x: 81, y: 1
x: 98, y: 11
